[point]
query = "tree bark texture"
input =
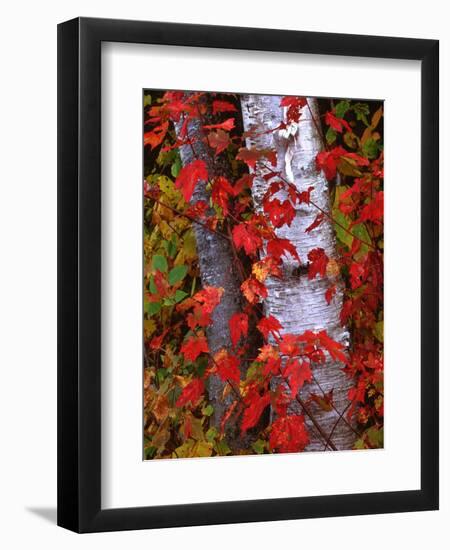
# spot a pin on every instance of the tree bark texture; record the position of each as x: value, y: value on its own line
x: 218, y: 268
x: 296, y: 301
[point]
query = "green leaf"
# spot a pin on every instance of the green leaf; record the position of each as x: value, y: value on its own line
x: 330, y: 136
x: 177, y: 274
x: 149, y: 452
x: 161, y: 374
x: 176, y: 167
x: 152, y: 286
x: 222, y: 448
x: 180, y: 295
x: 147, y: 100
x: 342, y: 107
x: 159, y: 263
x: 343, y: 223
x: 259, y: 446
x: 194, y: 280
x: 370, y: 148
x: 361, y: 111
x: 350, y: 140
x: 208, y: 410
x: 172, y: 247
x: 211, y: 435
x: 152, y: 307
x: 375, y: 437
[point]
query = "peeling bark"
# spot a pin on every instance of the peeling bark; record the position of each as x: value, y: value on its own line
x: 297, y: 302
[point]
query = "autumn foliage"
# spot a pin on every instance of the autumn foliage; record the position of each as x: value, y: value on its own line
x: 178, y: 310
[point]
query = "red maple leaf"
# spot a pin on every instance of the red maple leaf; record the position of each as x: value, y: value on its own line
x: 225, y: 125
x: 373, y: 211
x: 337, y: 123
x: 269, y: 325
x: 238, y: 324
x: 289, y: 100
x: 222, y: 107
x: 193, y: 347
x: 242, y: 183
x: 329, y: 294
x: 289, y: 434
x: 280, y: 213
x: 221, y: 191
x: 161, y: 284
x: 289, y: 344
x: 251, y: 156
x: 318, y: 261
x: 176, y: 107
x: 191, y: 393
x: 198, y: 318
x: 328, y: 161
x: 156, y: 136
x: 294, y: 105
x: 253, y: 290
x: 189, y: 176
x: 278, y: 247
x: 317, y: 221
x: 359, y: 160
x: 246, y: 237
x: 227, y: 366
x: 335, y: 349
x: 305, y: 196
x: 297, y: 373
x: 255, y: 405
x: 209, y: 297
x: 198, y: 210
x: 358, y: 275
x: 218, y: 140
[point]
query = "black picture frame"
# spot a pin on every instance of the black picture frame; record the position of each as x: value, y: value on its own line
x: 79, y: 274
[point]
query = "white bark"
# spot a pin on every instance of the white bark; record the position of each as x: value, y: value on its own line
x: 297, y: 302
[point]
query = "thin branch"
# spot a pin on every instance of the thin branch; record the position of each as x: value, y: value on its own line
x: 190, y: 218
x: 332, y: 405
x: 328, y: 442
x: 341, y: 415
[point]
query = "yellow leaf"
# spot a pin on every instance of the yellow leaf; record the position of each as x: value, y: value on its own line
x: 379, y: 331
x: 149, y: 327
x: 168, y: 189
x: 332, y: 269
x: 185, y: 450
x: 203, y: 448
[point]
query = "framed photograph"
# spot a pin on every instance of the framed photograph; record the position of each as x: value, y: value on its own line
x: 247, y: 275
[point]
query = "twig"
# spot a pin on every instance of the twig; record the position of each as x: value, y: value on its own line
x: 190, y: 218
x: 341, y: 415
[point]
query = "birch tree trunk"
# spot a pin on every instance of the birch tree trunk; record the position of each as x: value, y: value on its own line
x: 217, y: 268
x: 297, y: 302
